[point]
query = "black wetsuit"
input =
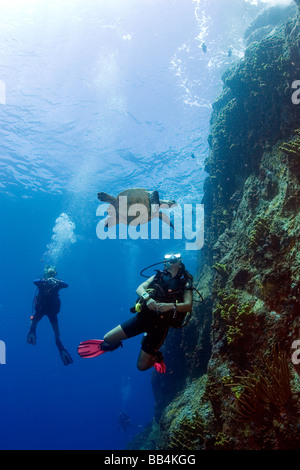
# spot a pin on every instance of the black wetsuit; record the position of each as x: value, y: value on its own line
x: 47, y: 301
x: 156, y: 325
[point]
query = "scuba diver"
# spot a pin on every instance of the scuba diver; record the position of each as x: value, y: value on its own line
x: 47, y: 302
x: 164, y: 300
x: 124, y: 421
x: 204, y: 47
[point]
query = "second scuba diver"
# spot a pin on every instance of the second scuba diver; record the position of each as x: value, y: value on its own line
x: 47, y: 302
x: 164, y: 300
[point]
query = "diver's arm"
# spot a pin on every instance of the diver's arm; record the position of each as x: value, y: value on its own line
x: 151, y: 303
x: 184, y: 307
x: 62, y: 284
x: 142, y: 287
x: 57, y: 283
x: 187, y: 304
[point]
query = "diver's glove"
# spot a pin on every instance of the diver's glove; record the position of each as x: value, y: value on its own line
x: 65, y: 357
x: 31, y: 338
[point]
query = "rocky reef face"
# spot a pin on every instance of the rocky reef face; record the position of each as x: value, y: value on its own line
x: 232, y: 383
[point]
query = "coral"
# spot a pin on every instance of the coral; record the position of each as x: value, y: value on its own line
x: 253, y: 196
x: 234, y: 333
x: 221, y: 268
x: 292, y: 148
x: 212, y: 395
x: 226, y: 379
x: 227, y: 303
x: 235, y: 316
x: 260, y: 232
x: 241, y: 278
x: 276, y: 286
x: 264, y: 390
x: 189, y: 433
x: 221, y: 440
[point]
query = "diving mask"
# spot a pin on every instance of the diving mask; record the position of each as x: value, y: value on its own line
x: 172, y: 258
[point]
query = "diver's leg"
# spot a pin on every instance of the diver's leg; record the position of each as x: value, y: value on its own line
x: 31, y: 337
x: 64, y: 354
x: 115, y: 335
x: 145, y: 360
x: 156, y: 360
x: 113, y: 339
x: 150, y: 354
x: 54, y: 324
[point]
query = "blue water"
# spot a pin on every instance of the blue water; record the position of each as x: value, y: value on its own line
x: 99, y: 96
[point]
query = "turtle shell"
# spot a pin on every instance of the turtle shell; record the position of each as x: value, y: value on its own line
x: 136, y: 196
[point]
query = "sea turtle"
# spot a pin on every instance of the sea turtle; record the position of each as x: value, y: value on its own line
x: 118, y: 209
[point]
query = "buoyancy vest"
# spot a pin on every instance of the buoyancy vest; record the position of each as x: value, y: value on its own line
x: 166, y: 288
x: 47, y: 299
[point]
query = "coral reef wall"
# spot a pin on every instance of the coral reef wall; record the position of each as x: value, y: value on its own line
x: 232, y: 384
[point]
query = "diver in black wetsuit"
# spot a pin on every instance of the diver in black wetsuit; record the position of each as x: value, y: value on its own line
x: 166, y: 298
x: 47, y: 302
x: 124, y: 421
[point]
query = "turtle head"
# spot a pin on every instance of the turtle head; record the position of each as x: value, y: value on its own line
x: 101, y: 196
x: 104, y: 197
x: 171, y: 203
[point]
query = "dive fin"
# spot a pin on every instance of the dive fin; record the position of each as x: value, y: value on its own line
x: 160, y: 367
x: 90, y: 348
x: 66, y: 357
x: 96, y: 347
x: 159, y: 364
x: 31, y: 338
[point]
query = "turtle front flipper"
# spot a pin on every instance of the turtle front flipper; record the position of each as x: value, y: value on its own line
x: 104, y: 197
x: 164, y: 218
